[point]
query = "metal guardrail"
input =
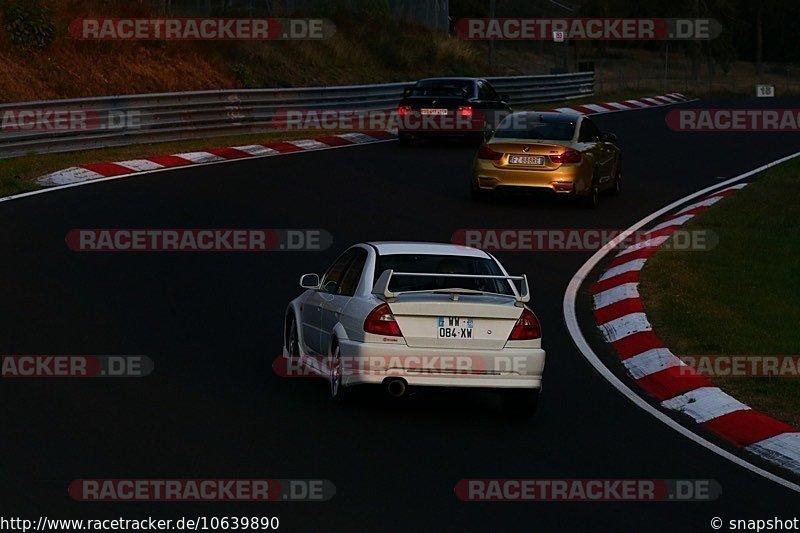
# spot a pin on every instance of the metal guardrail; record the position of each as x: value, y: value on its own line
x: 199, y: 114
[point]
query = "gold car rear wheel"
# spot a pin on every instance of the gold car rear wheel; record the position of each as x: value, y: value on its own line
x: 592, y: 199
x: 616, y: 190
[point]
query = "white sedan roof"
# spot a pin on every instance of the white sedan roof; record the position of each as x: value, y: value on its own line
x: 426, y: 248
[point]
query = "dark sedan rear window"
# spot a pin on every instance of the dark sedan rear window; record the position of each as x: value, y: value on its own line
x: 537, y: 127
x: 457, y: 89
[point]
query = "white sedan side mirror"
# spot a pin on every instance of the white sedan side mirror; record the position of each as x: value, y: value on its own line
x: 309, y: 281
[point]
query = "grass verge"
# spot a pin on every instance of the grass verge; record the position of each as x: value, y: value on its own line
x: 739, y: 298
x: 17, y: 174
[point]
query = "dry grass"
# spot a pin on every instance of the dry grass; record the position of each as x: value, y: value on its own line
x: 70, y: 68
x: 365, y: 49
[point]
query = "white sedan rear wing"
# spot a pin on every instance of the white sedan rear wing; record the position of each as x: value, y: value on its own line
x: 382, y: 285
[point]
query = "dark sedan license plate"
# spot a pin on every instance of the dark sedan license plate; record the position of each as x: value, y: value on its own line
x: 433, y: 111
x: 526, y: 160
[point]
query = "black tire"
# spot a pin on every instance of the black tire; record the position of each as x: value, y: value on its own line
x: 292, y: 338
x: 339, y: 394
x: 616, y: 190
x: 521, y: 403
x: 592, y: 200
x: 405, y: 139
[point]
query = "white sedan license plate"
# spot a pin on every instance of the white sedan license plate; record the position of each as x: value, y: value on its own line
x: 455, y: 327
x: 433, y: 111
x: 526, y: 160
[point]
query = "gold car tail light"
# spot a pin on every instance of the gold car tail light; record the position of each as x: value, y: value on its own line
x: 569, y: 156
x: 487, y: 153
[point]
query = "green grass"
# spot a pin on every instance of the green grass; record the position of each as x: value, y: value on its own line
x: 17, y: 173
x: 741, y: 297
x: 12, y: 186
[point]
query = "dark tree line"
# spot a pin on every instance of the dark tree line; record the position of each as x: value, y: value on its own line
x: 753, y: 30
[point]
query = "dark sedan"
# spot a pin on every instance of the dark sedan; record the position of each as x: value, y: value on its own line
x: 450, y: 107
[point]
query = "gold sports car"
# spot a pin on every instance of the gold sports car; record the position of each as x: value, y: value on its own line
x: 562, y: 153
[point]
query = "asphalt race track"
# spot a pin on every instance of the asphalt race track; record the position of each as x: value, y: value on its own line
x: 212, y: 322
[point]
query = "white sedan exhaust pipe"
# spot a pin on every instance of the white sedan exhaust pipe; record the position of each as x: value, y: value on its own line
x: 396, y: 387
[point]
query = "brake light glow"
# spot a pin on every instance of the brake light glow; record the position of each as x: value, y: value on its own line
x: 569, y: 156
x: 465, y: 110
x: 404, y: 110
x: 526, y: 328
x: 380, y: 321
x: 487, y: 153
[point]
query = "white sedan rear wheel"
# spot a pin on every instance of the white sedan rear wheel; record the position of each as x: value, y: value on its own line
x: 337, y: 390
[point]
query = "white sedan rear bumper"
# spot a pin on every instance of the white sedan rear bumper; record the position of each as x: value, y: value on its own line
x: 373, y: 363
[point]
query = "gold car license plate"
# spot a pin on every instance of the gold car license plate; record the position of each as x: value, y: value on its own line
x: 526, y: 160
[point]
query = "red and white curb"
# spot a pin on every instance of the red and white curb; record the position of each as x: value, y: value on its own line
x: 96, y: 171
x: 779, y: 448
x: 619, y: 312
x: 627, y: 105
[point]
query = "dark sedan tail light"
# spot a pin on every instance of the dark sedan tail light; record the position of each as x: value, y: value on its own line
x: 465, y: 110
x: 404, y: 110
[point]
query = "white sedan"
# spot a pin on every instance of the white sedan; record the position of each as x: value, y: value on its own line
x: 416, y: 314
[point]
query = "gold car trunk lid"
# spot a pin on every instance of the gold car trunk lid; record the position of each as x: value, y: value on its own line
x: 523, y: 147
x: 528, y: 155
